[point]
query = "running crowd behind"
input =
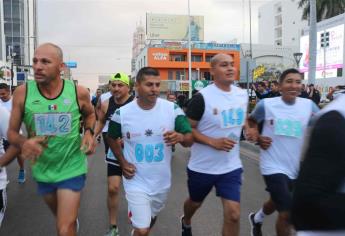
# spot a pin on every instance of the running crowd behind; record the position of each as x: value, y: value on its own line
x: 303, y: 173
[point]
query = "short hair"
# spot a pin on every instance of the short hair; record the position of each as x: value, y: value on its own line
x: 215, y: 59
x: 274, y: 82
x: 286, y: 72
x: 57, y: 48
x: 4, y: 86
x: 262, y: 84
x: 146, y: 71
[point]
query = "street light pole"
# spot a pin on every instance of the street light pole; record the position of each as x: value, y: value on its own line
x: 189, y: 55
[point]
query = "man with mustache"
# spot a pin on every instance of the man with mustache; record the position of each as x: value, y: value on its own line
x: 217, y: 114
x: 285, y: 121
x: 119, y: 88
x: 148, y: 127
x: 51, y: 108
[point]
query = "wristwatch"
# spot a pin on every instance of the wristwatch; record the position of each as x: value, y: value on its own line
x: 92, y: 132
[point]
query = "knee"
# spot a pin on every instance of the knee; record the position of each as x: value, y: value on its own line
x: 113, y: 190
x: 142, y: 232
x: 65, y: 228
x: 193, y: 204
x: 283, y: 217
x: 232, y: 216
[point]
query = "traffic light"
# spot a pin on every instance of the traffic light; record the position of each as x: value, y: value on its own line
x: 325, y: 39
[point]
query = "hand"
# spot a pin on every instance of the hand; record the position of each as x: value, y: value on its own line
x: 251, y: 134
x: 88, y: 144
x: 224, y: 144
x: 264, y: 142
x: 172, y: 138
x: 32, y: 148
x: 128, y: 169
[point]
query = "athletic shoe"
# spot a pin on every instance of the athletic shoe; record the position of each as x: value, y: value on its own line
x: 255, y: 227
x: 186, y: 231
x: 112, y: 232
x: 21, y: 176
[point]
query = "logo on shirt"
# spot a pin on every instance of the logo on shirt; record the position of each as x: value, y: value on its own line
x: 36, y: 102
x: 66, y: 101
x: 215, y: 111
x: 148, y: 132
x: 52, y: 107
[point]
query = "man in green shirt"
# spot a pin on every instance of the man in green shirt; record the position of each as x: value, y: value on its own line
x: 51, y: 109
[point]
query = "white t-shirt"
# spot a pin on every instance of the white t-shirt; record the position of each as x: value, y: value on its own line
x: 224, y: 116
x: 102, y: 98
x: 7, y: 105
x: 286, y: 125
x: 144, y: 146
x: 4, y: 121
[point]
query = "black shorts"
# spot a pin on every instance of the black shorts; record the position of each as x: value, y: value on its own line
x: 6, y: 144
x: 114, y: 170
x: 106, y: 146
x: 280, y: 187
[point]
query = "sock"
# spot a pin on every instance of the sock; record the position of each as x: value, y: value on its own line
x: 259, y: 216
x: 184, y: 225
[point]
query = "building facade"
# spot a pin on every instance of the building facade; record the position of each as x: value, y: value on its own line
x: 171, y: 59
x: 280, y: 23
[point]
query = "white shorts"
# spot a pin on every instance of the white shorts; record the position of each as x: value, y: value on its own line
x: 143, y: 207
x: 321, y: 233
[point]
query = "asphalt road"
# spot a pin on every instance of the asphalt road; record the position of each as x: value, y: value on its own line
x: 27, y: 214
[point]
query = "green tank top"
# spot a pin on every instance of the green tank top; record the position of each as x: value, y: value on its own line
x: 59, y: 119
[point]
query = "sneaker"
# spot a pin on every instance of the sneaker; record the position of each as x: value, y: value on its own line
x: 21, y: 176
x: 186, y: 231
x: 255, y: 227
x: 112, y: 232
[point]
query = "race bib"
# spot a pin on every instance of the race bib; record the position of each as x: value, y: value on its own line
x: 55, y: 124
x: 149, y: 153
x: 233, y: 117
x: 290, y: 128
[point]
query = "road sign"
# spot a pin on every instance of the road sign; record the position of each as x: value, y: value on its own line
x: 71, y: 64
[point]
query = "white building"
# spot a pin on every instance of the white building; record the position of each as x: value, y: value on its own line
x: 329, y: 59
x: 280, y: 23
x: 275, y: 59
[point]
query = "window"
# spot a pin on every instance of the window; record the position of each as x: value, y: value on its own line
x: 208, y: 58
x: 197, y: 58
x: 177, y: 57
x: 170, y: 75
x: 180, y: 75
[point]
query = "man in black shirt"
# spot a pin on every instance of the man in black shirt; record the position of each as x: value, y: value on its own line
x: 119, y: 88
x: 319, y: 197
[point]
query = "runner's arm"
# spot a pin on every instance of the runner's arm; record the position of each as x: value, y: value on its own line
x: 12, y: 151
x: 89, y: 118
x: 101, y: 118
x: 17, y: 113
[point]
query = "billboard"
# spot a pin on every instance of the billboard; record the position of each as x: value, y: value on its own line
x: 328, y: 59
x: 174, y: 27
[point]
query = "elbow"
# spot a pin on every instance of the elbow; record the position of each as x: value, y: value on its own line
x: 188, y: 140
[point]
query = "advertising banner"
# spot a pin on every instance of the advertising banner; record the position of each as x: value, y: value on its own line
x: 174, y: 27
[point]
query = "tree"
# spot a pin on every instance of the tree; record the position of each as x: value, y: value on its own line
x: 324, y: 8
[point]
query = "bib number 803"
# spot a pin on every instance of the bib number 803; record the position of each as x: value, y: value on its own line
x: 149, y: 153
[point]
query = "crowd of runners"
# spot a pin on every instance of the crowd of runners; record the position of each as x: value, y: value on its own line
x: 302, y: 157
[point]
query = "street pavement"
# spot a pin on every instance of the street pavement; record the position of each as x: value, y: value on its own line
x: 27, y: 214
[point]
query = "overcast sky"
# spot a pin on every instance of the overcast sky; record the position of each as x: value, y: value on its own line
x: 97, y: 34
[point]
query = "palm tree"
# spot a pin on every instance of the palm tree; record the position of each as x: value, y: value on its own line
x: 324, y: 8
